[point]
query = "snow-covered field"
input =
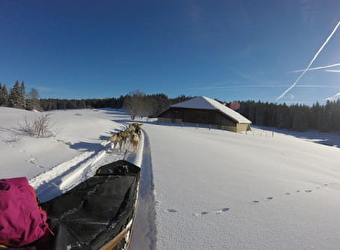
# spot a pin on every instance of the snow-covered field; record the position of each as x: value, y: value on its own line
x: 200, y: 188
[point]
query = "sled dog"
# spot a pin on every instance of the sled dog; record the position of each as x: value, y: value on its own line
x: 134, y: 140
x: 116, y: 139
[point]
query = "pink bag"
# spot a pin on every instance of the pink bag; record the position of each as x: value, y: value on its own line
x: 22, y: 221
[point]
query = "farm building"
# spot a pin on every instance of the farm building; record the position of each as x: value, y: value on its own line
x: 203, y: 110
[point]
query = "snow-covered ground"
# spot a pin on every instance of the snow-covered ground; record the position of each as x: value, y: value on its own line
x: 200, y: 188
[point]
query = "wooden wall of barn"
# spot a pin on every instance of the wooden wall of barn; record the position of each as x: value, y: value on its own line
x: 202, y: 116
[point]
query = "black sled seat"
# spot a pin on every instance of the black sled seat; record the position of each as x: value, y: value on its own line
x: 96, y: 214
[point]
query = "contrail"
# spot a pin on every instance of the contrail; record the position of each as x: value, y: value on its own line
x: 311, y: 62
x: 332, y: 98
x: 316, y: 68
x: 333, y: 70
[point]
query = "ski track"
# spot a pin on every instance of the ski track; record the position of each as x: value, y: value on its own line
x: 69, y: 174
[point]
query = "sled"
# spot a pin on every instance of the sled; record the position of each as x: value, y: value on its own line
x: 97, y: 214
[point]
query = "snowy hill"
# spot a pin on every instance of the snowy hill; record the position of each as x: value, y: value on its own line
x: 200, y: 188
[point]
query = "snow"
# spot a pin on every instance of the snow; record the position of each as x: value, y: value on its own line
x: 200, y: 188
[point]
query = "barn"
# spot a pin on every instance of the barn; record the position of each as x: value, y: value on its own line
x: 203, y: 110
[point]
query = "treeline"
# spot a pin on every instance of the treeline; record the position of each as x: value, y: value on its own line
x: 324, y: 118
x: 137, y: 103
x: 55, y: 104
x: 295, y: 117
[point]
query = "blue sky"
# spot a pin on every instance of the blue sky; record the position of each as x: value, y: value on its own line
x: 229, y: 50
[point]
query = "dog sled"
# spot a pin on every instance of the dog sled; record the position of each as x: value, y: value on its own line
x: 98, y: 214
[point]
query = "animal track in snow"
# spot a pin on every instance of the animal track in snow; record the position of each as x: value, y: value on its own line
x: 171, y: 210
x: 200, y: 214
x: 269, y: 198
x: 222, y: 210
x: 32, y: 161
x: 219, y: 211
x: 204, y: 213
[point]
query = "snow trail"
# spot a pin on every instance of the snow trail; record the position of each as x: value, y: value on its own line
x: 144, y: 230
x: 69, y: 174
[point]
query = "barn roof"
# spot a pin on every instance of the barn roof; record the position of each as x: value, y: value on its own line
x: 202, y: 102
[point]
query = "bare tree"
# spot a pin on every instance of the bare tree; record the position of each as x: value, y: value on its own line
x: 134, y: 103
x: 32, y: 101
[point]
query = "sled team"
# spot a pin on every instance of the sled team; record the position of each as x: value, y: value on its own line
x: 130, y: 135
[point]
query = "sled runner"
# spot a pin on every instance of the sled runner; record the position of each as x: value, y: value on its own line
x: 97, y: 214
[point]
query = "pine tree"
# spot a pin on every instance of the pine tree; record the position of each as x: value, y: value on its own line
x: 16, y: 96
x: 22, y: 95
x: 3, y: 95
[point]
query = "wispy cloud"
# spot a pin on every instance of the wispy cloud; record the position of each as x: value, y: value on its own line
x: 317, y: 68
x: 213, y: 87
x: 310, y: 64
x: 44, y: 88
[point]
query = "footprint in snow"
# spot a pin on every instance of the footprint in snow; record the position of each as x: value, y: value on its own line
x: 170, y: 210
x: 265, y: 199
x: 219, y: 211
x: 222, y: 210
x: 200, y: 213
x: 32, y: 161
